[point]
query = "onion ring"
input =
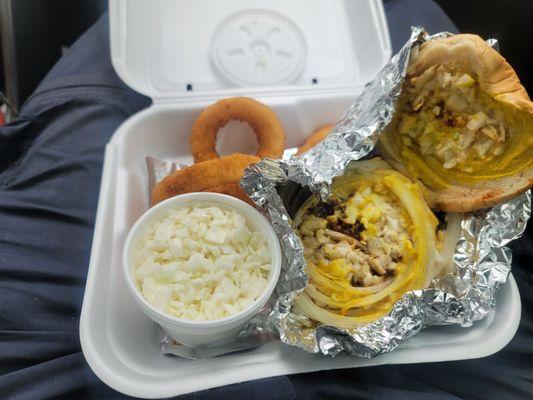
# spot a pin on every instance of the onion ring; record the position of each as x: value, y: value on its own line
x: 233, y: 190
x: 205, y: 176
x: 315, y: 138
x: 264, y: 122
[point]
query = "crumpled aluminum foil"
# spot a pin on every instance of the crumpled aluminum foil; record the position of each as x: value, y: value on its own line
x: 460, y: 298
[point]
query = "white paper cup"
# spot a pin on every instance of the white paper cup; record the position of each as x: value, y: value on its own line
x: 201, y: 333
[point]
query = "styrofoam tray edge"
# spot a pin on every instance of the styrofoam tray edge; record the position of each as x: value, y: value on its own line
x: 243, y: 374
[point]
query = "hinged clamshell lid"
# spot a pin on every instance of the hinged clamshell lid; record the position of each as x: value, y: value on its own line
x: 181, y: 50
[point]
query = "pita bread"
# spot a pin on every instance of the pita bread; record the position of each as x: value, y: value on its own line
x: 497, y: 79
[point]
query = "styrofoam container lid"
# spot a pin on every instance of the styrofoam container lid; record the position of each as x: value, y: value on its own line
x: 182, y: 50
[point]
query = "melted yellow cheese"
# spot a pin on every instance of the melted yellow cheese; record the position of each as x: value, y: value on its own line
x: 366, y: 199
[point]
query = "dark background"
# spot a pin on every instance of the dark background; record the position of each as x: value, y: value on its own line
x: 509, y: 21
x: 42, y: 27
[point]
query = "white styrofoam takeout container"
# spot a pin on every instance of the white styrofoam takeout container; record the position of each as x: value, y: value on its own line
x: 201, y: 333
x: 161, y: 47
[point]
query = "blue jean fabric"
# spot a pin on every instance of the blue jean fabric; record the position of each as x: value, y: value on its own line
x: 50, y: 168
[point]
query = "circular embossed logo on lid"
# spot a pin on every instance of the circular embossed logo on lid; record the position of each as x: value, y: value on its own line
x: 258, y: 47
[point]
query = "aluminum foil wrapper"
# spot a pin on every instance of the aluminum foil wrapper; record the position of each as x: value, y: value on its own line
x: 462, y: 297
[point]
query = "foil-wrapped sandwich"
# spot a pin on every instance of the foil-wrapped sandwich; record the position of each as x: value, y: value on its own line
x: 459, y: 141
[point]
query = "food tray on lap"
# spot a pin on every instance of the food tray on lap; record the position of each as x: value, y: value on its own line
x: 119, y: 342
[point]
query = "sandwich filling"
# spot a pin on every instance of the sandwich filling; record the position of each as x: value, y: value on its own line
x: 448, y: 130
x: 372, y: 242
x: 362, y: 239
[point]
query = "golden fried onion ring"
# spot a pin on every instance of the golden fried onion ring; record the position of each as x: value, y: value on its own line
x: 220, y: 175
x: 317, y: 136
x: 233, y: 190
x: 264, y: 122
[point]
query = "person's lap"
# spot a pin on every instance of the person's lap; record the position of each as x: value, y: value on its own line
x: 50, y: 167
